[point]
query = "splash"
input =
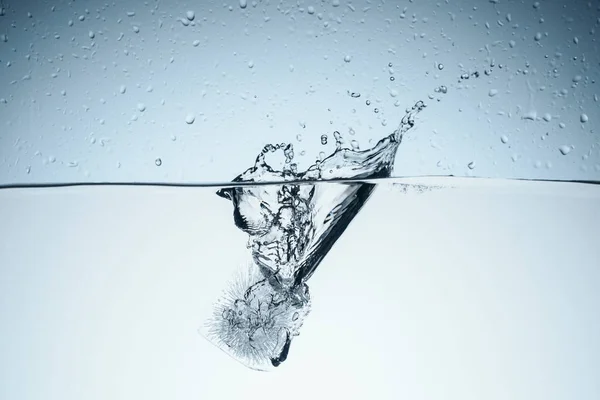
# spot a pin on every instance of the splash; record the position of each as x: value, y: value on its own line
x: 291, y: 227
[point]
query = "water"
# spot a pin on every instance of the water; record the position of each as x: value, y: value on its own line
x: 103, y: 291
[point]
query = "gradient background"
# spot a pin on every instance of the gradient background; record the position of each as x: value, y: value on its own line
x: 468, y: 294
x: 63, y: 117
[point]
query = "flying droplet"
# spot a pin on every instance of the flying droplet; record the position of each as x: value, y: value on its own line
x: 190, y: 15
x: 158, y: 162
x: 583, y: 118
x: 564, y: 149
x: 189, y: 119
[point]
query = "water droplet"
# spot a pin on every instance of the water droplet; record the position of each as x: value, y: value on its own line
x: 355, y: 95
x: 575, y: 40
x: 538, y: 37
x: 440, y: 66
x: 158, y: 162
x: 504, y: 139
x: 122, y: 89
x: 82, y: 17
x: 323, y: 139
x: 250, y: 64
x: 63, y: 92
x: 355, y: 145
x: 136, y: 29
x: 368, y: 102
x: 299, y: 137
x: 311, y: 10
x: 141, y: 107
x: 561, y: 125
x: 347, y: 58
x: 583, y: 118
x: 547, y: 117
x: 564, y: 149
x: 492, y: 92
x: 392, y: 78
x: 190, y: 15
x: 131, y: 13
x: 195, y: 43
x: 376, y: 110
x: 91, y: 34
x: 471, y: 165
x: 335, y: 3
x: 536, y: 5
x: 243, y: 3
x: 189, y: 119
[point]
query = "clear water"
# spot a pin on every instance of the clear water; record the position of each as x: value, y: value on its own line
x: 104, y: 291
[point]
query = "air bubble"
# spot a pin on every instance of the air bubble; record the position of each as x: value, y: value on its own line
x: 189, y: 119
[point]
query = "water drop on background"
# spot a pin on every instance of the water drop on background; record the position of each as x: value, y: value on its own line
x: 564, y: 149
x: 492, y: 92
x: 504, y: 139
x: 583, y: 118
x: 347, y: 58
x: 122, y: 89
x: 440, y: 66
x: 189, y: 119
x: 190, y: 15
x: 141, y: 107
x: 243, y: 3
x: 311, y: 10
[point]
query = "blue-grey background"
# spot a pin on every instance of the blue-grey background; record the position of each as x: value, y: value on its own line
x: 98, y: 91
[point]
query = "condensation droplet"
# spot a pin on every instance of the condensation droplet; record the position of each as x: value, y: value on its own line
x: 250, y: 64
x: 311, y: 10
x: 547, y: 117
x: 347, y: 58
x: 243, y: 3
x: 158, y: 162
x: 122, y: 89
x: 91, y: 34
x: 440, y: 66
x: 195, y: 43
x: 189, y: 119
x: 538, y: 37
x: 141, y: 107
x: 583, y: 118
x: 504, y: 139
x: 190, y: 15
x: 564, y: 149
